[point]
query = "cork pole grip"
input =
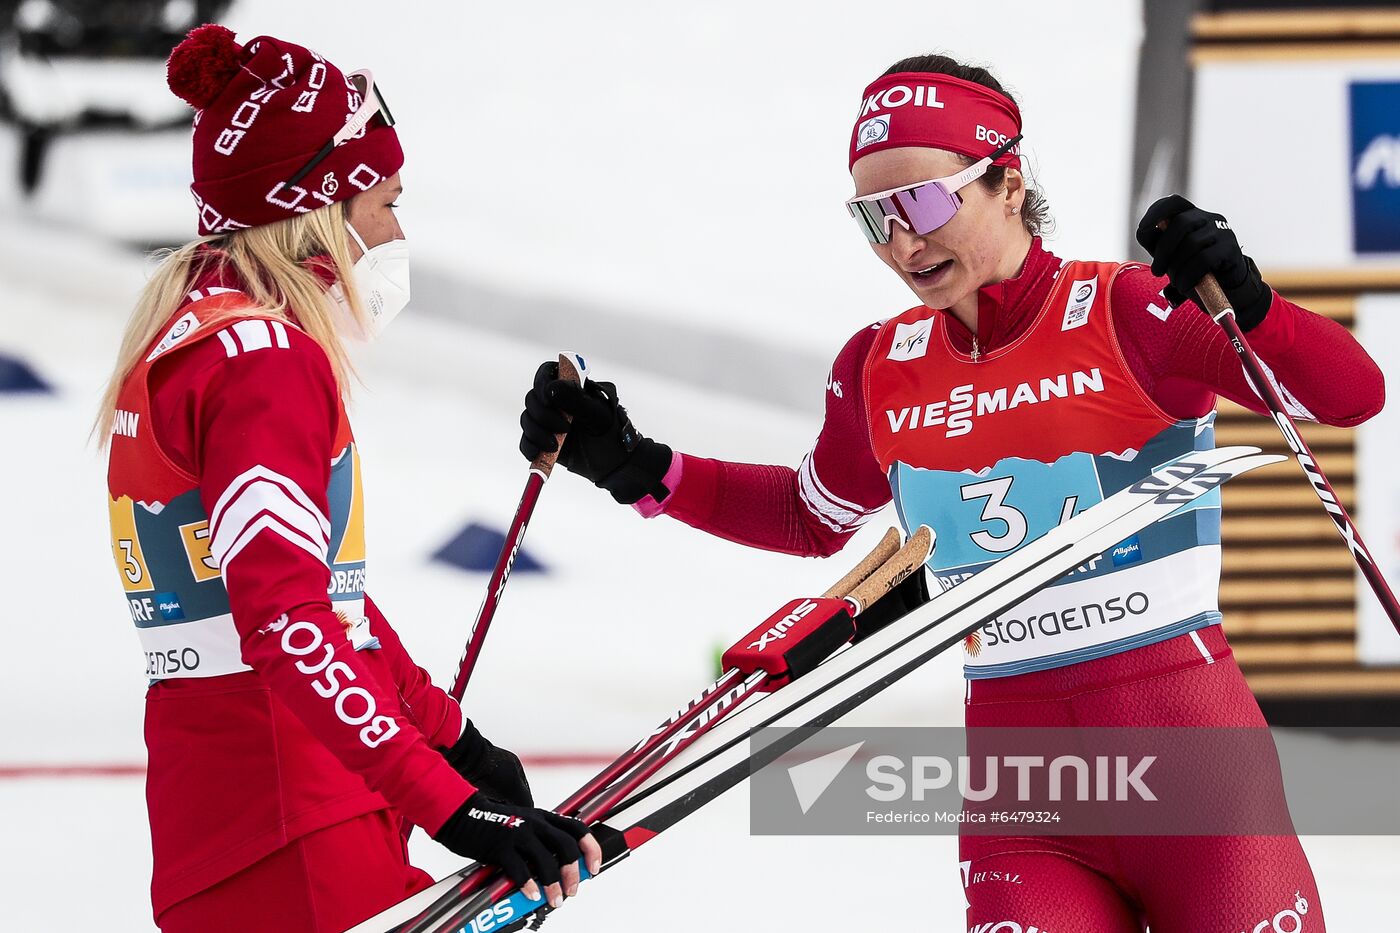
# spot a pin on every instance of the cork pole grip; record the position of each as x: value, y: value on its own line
x: 1208, y: 290
x: 886, y: 549
x: 905, y: 561
x: 544, y: 463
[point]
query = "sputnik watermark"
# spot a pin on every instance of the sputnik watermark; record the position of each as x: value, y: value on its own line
x: 891, y: 779
x: 1066, y: 777
x: 1071, y: 781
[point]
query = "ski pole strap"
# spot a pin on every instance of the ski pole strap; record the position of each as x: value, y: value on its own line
x: 793, y: 640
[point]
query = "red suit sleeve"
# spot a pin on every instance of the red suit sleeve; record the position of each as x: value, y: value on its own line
x: 1183, y: 359
x: 259, y: 427
x: 438, y: 716
x: 812, y: 510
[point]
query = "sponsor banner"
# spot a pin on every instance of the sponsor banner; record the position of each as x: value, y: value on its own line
x: 1333, y: 131
x: 956, y: 415
x: 1378, y: 483
x: 1073, y: 782
x: 1140, y: 603
x: 203, y: 648
x: 1375, y: 166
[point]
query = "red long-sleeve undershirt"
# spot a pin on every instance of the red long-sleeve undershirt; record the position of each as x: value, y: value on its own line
x: 273, y: 412
x: 1178, y: 355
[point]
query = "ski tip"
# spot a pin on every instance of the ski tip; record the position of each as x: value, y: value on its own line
x: 1236, y: 450
x: 1254, y: 461
x: 575, y: 360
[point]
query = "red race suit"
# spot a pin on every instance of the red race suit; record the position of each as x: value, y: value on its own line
x: 281, y: 703
x: 1081, y: 379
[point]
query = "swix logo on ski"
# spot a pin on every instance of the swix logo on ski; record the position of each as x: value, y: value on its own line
x: 505, y: 819
x: 923, y: 95
x: 354, y: 706
x: 1288, y: 920
x: 966, y: 403
x: 779, y: 631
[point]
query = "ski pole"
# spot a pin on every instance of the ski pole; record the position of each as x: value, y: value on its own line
x: 849, y: 678
x: 1217, y: 305
x: 876, y: 574
x: 879, y: 573
x: 872, y: 579
x: 573, y: 369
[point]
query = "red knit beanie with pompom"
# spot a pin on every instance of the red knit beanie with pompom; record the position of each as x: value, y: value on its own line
x: 264, y: 110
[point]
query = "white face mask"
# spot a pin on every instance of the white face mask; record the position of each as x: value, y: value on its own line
x: 381, y: 275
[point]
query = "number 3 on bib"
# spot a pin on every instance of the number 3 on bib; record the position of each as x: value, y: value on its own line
x: 995, y: 491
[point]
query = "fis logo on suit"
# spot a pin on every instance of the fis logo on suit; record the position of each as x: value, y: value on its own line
x: 1128, y: 552
x: 910, y: 341
x: 1375, y: 166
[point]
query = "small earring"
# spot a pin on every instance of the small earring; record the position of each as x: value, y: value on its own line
x: 1015, y: 210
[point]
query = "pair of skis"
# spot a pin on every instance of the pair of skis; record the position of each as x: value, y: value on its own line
x: 784, y: 647
x: 703, y: 750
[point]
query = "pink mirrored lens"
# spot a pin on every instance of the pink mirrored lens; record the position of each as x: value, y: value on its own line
x: 927, y: 207
x: 923, y: 210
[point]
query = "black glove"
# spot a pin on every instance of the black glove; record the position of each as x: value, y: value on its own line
x: 496, y: 772
x: 1195, y: 243
x: 524, y: 842
x: 602, y: 445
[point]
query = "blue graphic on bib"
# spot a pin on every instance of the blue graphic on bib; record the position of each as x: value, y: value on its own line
x: 1127, y: 552
x: 980, y: 518
x: 996, y: 514
x: 168, y: 604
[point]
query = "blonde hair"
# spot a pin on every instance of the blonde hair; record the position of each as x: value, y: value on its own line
x: 269, y: 264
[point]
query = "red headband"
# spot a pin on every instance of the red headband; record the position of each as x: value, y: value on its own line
x: 912, y: 108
